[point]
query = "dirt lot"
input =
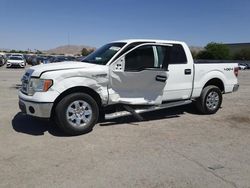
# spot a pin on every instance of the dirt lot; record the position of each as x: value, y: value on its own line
x: 171, y: 148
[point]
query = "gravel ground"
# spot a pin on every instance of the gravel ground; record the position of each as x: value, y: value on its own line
x: 171, y: 148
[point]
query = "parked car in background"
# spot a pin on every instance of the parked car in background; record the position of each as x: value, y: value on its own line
x: 7, y: 56
x: 15, y: 61
x: 243, y: 66
x: 81, y: 58
x: 247, y: 65
x: 57, y: 59
x: 70, y: 58
x: 26, y: 57
x: 29, y: 59
x: 2, y: 58
x: 19, y: 55
x: 2, y: 61
x: 39, y: 60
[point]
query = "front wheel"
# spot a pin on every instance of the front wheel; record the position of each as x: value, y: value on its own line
x: 210, y: 100
x: 77, y: 113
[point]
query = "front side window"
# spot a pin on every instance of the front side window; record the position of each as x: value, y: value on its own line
x: 147, y: 57
x: 102, y: 55
x: 139, y: 59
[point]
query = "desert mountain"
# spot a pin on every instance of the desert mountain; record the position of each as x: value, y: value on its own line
x: 68, y: 49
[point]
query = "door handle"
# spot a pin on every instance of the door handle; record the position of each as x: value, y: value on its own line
x: 161, y: 78
x: 187, y: 71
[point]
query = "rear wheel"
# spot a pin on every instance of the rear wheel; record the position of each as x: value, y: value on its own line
x: 210, y: 100
x: 77, y: 113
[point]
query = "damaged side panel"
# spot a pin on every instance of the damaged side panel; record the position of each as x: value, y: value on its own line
x: 95, y: 79
x: 135, y: 88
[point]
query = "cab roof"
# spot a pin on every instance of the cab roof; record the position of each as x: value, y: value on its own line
x: 149, y: 40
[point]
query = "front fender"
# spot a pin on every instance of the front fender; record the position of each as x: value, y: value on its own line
x: 98, y: 86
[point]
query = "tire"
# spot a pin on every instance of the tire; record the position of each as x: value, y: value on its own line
x: 77, y: 113
x: 210, y: 100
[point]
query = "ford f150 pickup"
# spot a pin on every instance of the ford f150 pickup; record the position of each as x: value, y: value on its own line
x: 121, y: 78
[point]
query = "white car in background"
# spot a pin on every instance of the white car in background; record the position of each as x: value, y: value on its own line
x: 242, y: 66
x: 15, y: 61
x: 19, y: 55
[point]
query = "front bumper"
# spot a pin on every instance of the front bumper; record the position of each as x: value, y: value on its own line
x: 42, y: 110
x: 17, y: 65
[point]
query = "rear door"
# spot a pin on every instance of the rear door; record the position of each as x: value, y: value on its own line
x: 180, y: 69
x: 138, y: 77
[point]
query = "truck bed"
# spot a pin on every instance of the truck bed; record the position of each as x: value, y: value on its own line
x: 207, y: 70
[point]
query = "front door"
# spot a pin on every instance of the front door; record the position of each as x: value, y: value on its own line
x: 138, y: 77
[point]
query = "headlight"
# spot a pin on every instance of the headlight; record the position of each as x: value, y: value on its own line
x: 39, y: 85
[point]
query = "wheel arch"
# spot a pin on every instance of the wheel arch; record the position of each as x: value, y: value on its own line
x: 216, y: 82
x: 76, y: 89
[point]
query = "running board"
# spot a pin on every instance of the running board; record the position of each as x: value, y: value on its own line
x: 135, y: 112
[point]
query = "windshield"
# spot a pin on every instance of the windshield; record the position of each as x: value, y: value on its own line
x: 102, y: 55
x: 15, y: 58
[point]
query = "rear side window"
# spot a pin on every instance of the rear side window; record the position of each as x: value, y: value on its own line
x: 176, y: 55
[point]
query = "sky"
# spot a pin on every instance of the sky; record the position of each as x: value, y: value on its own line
x: 45, y: 24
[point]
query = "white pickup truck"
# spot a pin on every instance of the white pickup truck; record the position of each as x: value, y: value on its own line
x: 121, y: 78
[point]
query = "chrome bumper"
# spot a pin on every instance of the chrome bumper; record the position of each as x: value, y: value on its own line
x: 42, y: 110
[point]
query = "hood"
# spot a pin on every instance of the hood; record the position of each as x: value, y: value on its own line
x: 39, y: 69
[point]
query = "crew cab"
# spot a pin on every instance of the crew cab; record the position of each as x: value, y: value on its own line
x: 121, y: 78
